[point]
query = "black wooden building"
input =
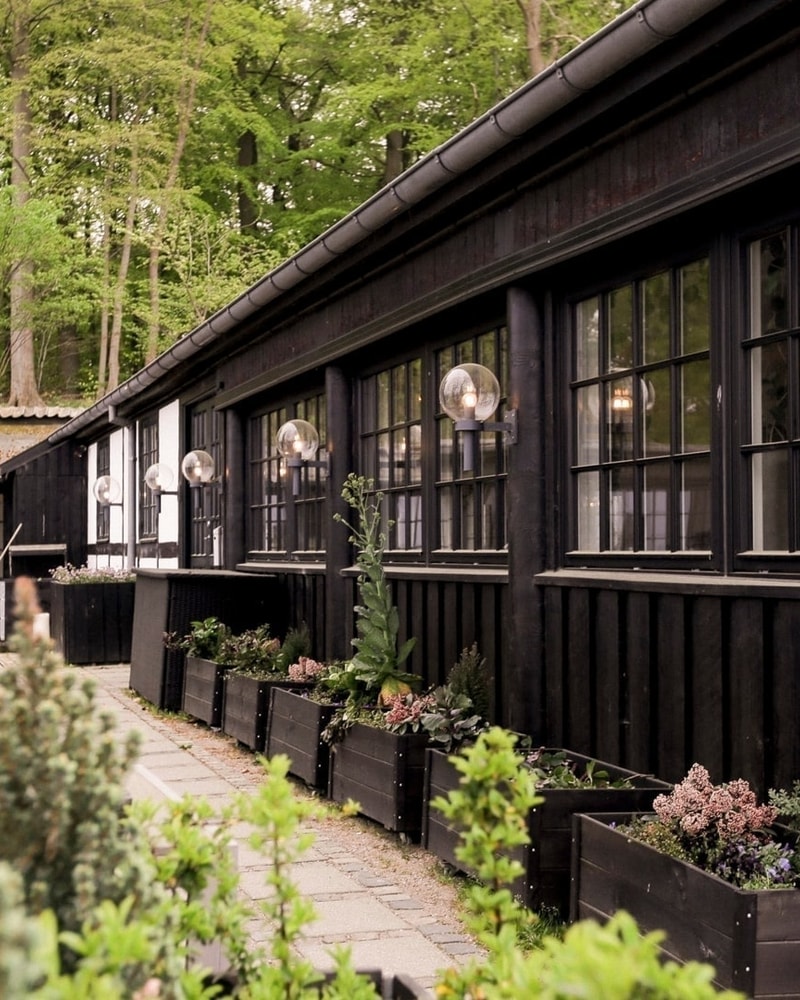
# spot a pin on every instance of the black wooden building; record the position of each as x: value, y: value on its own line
x: 619, y: 242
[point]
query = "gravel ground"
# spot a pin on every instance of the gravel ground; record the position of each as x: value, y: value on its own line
x: 421, y: 875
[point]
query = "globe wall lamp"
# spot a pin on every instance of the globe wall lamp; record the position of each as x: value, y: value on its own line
x: 298, y: 443
x: 469, y: 394
x: 197, y: 469
x: 107, y: 491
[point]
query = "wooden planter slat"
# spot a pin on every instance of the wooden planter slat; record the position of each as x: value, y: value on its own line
x: 751, y: 938
x: 382, y: 771
x: 92, y: 622
x: 295, y: 728
x: 202, y: 690
x: 547, y: 859
x: 246, y: 707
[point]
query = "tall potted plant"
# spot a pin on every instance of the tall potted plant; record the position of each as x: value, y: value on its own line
x: 379, y: 768
x: 708, y: 868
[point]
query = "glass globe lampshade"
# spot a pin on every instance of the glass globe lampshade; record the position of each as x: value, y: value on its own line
x: 106, y: 490
x: 297, y: 440
x: 159, y: 478
x: 197, y: 468
x: 469, y: 392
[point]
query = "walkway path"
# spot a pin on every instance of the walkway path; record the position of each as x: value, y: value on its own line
x: 357, y: 903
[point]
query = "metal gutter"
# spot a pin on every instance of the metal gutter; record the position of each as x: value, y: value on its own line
x: 627, y: 38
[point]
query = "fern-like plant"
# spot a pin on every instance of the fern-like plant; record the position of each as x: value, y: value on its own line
x: 375, y: 668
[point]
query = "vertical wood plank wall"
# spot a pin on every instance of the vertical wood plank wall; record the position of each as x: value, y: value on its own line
x: 657, y: 680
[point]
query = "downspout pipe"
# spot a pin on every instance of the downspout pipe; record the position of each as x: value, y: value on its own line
x: 130, y: 482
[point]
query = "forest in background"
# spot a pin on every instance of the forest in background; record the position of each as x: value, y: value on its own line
x: 159, y: 156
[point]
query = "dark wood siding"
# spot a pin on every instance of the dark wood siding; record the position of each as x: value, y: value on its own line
x: 655, y: 678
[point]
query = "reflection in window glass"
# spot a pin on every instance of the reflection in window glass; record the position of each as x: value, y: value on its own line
x: 695, y: 310
x: 696, y: 405
x: 770, y: 478
x: 588, y: 412
x: 588, y: 489
x: 769, y: 277
x: 587, y: 344
x: 695, y: 505
x: 620, y: 328
x: 621, y: 510
x: 770, y: 392
x: 656, y: 317
x: 656, y: 501
x: 620, y: 410
x: 656, y: 413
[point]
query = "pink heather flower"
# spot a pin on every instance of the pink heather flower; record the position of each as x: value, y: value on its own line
x: 407, y: 708
x: 305, y: 669
x: 728, y: 812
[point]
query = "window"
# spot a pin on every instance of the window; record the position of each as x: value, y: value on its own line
x: 205, y: 506
x: 471, y: 508
x: 641, y: 415
x: 278, y: 521
x: 148, y: 501
x: 103, y: 510
x: 772, y: 350
x: 391, y: 446
x: 407, y: 442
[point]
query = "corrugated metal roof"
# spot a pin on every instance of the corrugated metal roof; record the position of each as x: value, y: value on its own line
x: 40, y: 412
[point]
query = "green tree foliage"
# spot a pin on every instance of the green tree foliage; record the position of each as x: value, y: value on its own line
x: 183, y: 149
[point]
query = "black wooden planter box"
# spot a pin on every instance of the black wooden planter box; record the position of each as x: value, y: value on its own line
x: 547, y: 859
x: 246, y: 707
x: 202, y: 690
x: 751, y: 938
x: 92, y: 622
x: 382, y: 771
x: 295, y: 728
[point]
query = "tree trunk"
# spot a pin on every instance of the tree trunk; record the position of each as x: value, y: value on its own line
x: 532, y: 13
x: 23, y: 390
x: 395, y: 155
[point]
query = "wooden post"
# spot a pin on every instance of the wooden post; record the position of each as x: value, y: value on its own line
x: 234, y: 500
x: 338, y: 606
x: 522, y: 683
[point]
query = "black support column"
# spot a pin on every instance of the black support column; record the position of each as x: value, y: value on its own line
x: 338, y: 602
x: 234, y: 499
x: 523, y: 680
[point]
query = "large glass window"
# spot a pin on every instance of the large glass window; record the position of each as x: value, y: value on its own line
x: 471, y: 506
x: 148, y: 501
x: 641, y: 415
x: 772, y: 444
x: 391, y: 445
x: 103, y: 510
x: 205, y: 503
x: 280, y: 522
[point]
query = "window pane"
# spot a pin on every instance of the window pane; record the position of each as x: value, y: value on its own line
x: 769, y: 367
x: 621, y: 510
x: 655, y: 318
x: 588, y: 429
x: 655, y: 502
x: 695, y: 406
x: 657, y: 412
x: 770, y: 285
x: 384, y: 459
x: 620, y: 328
x: 467, y: 539
x: 620, y: 418
x: 588, y: 486
x: 415, y: 390
x: 415, y: 454
x: 447, y: 447
x: 695, y: 307
x: 446, y: 518
x: 695, y: 500
x: 587, y: 341
x: 383, y: 399
x: 770, y: 483
x: 399, y: 394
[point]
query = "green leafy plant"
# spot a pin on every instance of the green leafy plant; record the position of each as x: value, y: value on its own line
x: 254, y: 652
x: 375, y: 668
x: 205, y: 639
x: 787, y: 804
x: 556, y: 769
x: 469, y: 676
x: 495, y: 795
